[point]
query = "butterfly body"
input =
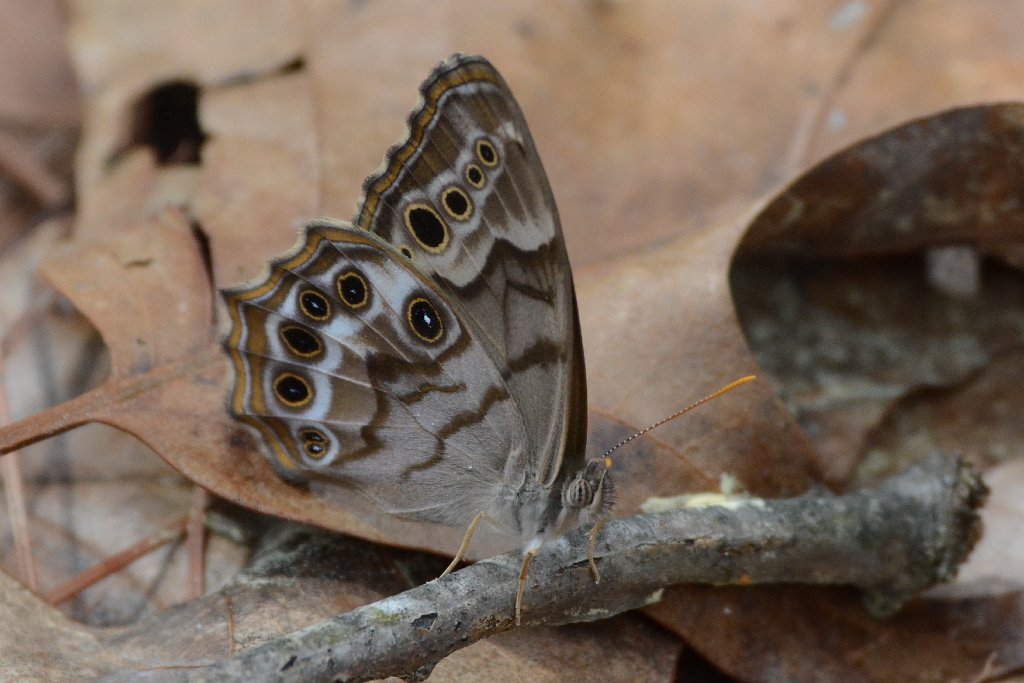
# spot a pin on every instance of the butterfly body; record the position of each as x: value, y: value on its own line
x: 428, y: 355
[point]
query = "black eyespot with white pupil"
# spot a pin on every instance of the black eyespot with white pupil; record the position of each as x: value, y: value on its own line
x: 314, y: 304
x: 315, y: 443
x: 301, y: 341
x: 353, y: 290
x: 292, y: 390
x: 486, y: 153
x: 424, y: 320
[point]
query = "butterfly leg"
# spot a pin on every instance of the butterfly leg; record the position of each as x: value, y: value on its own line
x: 590, y: 550
x: 528, y: 556
x: 461, y: 552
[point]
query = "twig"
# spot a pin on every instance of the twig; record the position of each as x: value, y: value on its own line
x: 115, y: 563
x: 195, y: 542
x: 813, y: 117
x: 230, y: 610
x: 14, y: 492
x: 911, y: 533
x: 19, y: 162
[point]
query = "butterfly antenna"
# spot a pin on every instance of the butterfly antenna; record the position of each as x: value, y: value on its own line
x: 710, y: 397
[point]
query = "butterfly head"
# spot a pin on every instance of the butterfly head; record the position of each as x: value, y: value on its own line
x: 588, y: 496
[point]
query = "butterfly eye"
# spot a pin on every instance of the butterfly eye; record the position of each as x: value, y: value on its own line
x: 314, y: 304
x: 486, y: 153
x: 426, y: 227
x: 315, y: 443
x: 300, y: 341
x: 292, y: 390
x: 424, y: 320
x: 353, y: 290
x: 475, y: 177
x: 456, y: 203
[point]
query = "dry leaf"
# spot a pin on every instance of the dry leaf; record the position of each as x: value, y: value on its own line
x: 656, y: 120
x: 872, y: 349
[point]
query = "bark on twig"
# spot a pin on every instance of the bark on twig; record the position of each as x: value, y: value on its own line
x: 892, y: 542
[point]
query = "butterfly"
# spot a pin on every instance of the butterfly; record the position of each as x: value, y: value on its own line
x: 428, y: 354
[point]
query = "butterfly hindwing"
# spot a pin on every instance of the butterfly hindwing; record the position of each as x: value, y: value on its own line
x: 466, y: 199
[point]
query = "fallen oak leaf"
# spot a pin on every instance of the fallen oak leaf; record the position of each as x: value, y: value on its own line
x: 148, y: 293
x: 833, y: 283
x: 146, y: 290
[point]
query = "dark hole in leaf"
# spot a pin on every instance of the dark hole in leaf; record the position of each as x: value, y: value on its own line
x: 166, y: 120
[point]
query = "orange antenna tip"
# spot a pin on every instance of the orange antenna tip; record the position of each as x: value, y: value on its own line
x: 730, y: 386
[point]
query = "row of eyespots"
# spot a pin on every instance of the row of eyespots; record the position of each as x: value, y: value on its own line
x: 352, y: 289
x: 306, y: 344
x: 295, y: 391
x: 424, y: 222
x: 420, y: 314
x: 424, y: 320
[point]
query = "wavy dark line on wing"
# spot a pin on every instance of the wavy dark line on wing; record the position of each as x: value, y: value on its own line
x: 502, y: 251
x: 542, y: 352
x: 459, y: 421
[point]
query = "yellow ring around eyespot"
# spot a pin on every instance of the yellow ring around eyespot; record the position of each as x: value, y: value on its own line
x: 318, y: 295
x: 440, y: 323
x: 419, y: 206
x: 486, y: 144
x: 284, y: 339
x: 483, y: 176
x: 366, y: 289
x: 465, y: 197
x: 282, y: 399
x: 304, y: 437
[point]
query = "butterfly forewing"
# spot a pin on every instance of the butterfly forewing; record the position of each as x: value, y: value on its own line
x: 354, y: 368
